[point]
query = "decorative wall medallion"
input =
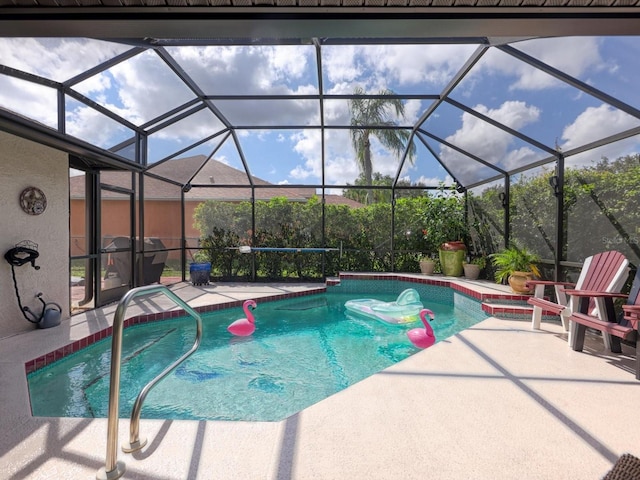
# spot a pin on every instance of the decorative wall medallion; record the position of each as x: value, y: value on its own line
x: 33, y: 201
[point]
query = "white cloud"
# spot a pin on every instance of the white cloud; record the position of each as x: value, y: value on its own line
x: 519, y: 157
x: 89, y: 125
x: 262, y: 135
x: 341, y: 64
x: 300, y: 173
x: 29, y: 99
x: 340, y: 163
x: 433, y: 181
x: 256, y: 70
x: 379, y: 66
x: 483, y: 188
x: 383, y: 160
x: 612, y: 151
x: 465, y: 169
x: 488, y: 142
x: 575, y: 56
x: 341, y: 170
x: 572, y: 55
x: 336, y: 112
x: 141, y: 88
x: 58, y: 59
x: 294, y: 112
x: 412, y: 111
x: 596, y: 123
x: 514, y: 114
x: 432, y: 65
x: 248, y: 70
x: 307, y: 144
x: 62, y: 59
x: 144, y: 87
x: 289, y: 61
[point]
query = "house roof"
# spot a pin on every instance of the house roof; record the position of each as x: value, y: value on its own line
x: 210, y: 180
x: 197, y: 170
x: 261, y: 5
x: 152, y: 21
x: 332, y: 199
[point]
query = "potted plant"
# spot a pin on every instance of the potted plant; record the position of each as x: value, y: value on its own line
x: 446, y: 223
x: 517, y: 266
x: 427, y: 265
x: 473, y: 268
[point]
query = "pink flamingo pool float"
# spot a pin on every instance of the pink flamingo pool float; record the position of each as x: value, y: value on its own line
x: 243, y: 327
x: 423, y: 337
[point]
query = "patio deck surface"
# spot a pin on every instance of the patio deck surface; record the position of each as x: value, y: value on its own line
x: 496, y: 401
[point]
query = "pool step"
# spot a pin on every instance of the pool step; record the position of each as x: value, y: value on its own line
x: 513, y: 310
x: 510, y: 310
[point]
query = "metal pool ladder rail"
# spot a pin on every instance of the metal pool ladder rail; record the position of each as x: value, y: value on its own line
x: 114, y: 469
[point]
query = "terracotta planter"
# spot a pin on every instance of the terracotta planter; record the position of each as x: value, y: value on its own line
x: 518, y: 280
x: 427, y: 266
x: 471, y: 271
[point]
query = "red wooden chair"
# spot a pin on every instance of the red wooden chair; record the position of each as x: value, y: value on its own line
x: 613, y: 331
x: 602, y: 272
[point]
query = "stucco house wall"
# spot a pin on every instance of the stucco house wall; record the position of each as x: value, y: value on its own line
x: 22, y: 164
x: 162, y: 220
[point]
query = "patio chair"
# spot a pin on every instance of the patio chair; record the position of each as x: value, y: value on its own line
x: 602, y: 272
x: 614, y: 329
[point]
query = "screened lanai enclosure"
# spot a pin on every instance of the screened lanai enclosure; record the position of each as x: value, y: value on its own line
x: 321, y: 155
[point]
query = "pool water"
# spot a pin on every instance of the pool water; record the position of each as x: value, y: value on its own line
x: 304, y: 350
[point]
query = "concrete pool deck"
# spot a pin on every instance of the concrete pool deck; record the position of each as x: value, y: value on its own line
x: 496, y: 401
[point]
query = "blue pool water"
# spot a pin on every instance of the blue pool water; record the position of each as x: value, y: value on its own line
x: 304, y: 350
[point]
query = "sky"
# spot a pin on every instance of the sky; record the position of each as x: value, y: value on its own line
x: 499, y: 86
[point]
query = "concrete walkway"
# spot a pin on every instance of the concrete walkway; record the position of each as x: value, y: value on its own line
x: 497, y: 401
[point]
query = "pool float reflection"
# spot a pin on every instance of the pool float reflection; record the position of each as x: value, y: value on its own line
x: 423, y: 337
x: 405, y: 309
x: 244, y: 327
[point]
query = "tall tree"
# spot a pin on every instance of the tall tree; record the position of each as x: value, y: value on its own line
x: 360, y: 194
x: 371, y: 116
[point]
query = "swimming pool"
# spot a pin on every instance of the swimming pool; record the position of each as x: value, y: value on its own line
x: 304, y: 350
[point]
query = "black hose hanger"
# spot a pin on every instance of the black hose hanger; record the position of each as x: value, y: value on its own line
x: 23, y: 253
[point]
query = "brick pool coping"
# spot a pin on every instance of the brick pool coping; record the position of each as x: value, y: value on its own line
x: 59, y: 353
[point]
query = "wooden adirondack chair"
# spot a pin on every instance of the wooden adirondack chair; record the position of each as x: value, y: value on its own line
x: 602, y: 272
x: 612, y: 330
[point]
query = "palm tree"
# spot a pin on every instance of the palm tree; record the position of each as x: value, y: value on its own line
x: 381, y: 196
x: 367, y: 115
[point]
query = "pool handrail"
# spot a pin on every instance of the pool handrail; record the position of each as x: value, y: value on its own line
x: 113, y: 468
